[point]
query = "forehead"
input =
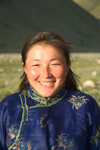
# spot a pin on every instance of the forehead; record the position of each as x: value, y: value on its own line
x: 44, y: 49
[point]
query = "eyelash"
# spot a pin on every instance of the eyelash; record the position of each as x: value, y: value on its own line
x: 36, y: 65
x: 55, y: 64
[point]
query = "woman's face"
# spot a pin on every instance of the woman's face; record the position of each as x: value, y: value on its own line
x: 46, y: 69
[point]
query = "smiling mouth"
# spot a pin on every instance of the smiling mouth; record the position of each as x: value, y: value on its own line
x: 47, y: 83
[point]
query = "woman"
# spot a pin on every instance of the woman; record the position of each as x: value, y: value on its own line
x: 49, y: 112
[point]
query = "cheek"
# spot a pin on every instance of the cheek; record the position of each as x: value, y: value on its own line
x: 31, y: 73
x: 60, y: 73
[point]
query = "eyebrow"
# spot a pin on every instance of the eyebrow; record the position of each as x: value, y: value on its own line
x: 36, y: 59
x: 54, y: 59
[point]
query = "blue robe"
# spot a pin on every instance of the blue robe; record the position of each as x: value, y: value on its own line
x: 68, y: 121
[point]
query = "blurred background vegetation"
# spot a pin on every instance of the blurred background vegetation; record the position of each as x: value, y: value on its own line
x: 78, y: 21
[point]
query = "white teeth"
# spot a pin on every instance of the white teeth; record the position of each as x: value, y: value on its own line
x: 46, y: 83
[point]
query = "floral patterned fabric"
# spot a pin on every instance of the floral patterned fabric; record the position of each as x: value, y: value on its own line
x: 69, y: 121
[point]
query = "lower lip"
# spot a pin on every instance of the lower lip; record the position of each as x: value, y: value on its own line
x: 47, y: 85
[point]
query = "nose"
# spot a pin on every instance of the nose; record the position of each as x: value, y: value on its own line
x: 45, y: 71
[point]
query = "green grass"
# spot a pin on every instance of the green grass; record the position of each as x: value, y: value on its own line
x: 10, y: 72
x: 82, y: 64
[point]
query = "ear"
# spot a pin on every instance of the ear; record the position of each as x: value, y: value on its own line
x: 24, y: 67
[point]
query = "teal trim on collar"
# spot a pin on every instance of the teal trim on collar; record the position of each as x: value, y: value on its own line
x: 47, y: 101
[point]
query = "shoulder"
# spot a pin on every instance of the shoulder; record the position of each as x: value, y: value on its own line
x: 10, y: 100
x: 80, y: 99
x: 81, y: 95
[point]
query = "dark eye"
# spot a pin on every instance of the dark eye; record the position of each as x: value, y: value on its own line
x: 56, y: 64
x: 35, y: 65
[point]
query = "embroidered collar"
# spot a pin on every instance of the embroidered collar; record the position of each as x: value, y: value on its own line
x: 49, y: 101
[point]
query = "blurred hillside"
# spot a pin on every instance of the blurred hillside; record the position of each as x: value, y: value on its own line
x: 20, y: 19
x: 92, y: 6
